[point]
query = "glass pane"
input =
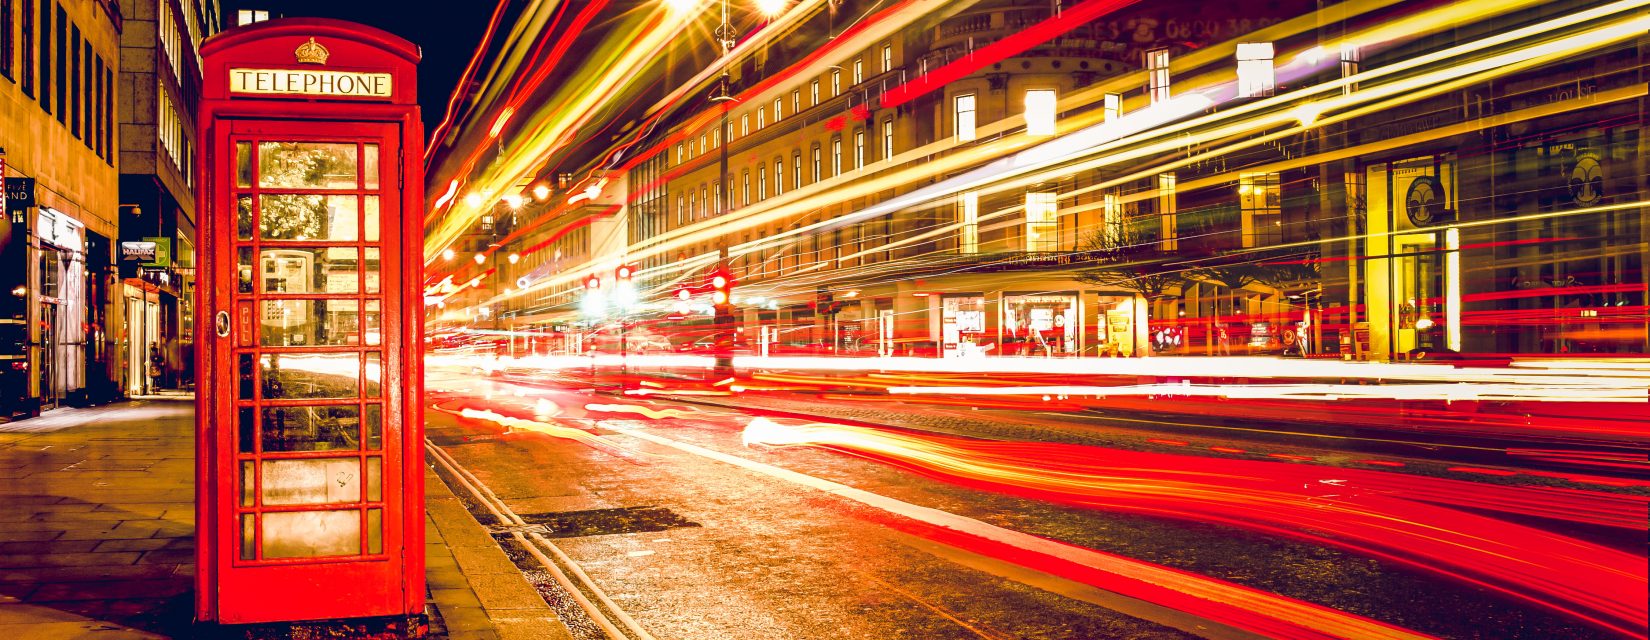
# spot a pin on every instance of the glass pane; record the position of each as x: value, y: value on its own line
x: 248, y: 383
x: 247, y: 487
x: 312, y: 481
x: 306, y: 165
x: 370, y: 269
x: 243, y: 217
x: 248, y: 533
x: 244, y: 270
x: 294, y: 323
x: 309, y: 534
x: 311, y: 375
x: 311, y: 270
x: 375, y: 531
x: 375, y: 432
x: 243, y: 164
x: 310, y: 428
x: 369, y: 166
x: 372, y: 324
x: 375, y: 479
x: 374, y: 373
x: 307, y: 217
x: 248, y: 426
x: 372, y: 223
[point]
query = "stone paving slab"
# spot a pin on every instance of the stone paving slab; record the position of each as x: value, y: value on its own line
x: 97, y: 535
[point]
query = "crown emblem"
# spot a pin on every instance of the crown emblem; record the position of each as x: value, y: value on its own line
x: 312, y: 52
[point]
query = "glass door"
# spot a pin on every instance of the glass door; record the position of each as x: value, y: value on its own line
x: 303, y: 370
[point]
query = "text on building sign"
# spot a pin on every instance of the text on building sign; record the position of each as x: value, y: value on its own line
x: 312, y: 83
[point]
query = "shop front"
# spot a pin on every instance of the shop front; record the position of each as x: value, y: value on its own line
x: 1040, y: 324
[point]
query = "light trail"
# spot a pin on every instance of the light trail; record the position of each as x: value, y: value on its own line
x: 1366, y: 512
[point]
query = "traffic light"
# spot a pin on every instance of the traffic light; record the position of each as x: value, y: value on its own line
x: 721, y: 289
x: 593, y: 283
x: 623, y: 273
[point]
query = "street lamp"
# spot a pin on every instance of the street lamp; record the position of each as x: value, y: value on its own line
x: 448, y: 254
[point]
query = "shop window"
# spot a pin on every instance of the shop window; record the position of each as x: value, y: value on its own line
x: 965, y: 105
x: 1254, y: 69
x: 1042, y: 222
x: 1259, y: 198
x: 1157, y: 75
x: 968, y: 217
x: 1040, y: 105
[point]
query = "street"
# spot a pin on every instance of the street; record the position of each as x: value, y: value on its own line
x: 702, y: 519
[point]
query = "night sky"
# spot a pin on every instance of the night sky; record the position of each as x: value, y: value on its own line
x: 448, y: 34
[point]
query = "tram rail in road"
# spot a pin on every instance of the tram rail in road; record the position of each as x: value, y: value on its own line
x: 614, y: 623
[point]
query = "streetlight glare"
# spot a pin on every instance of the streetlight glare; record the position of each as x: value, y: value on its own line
x: 481, y: 258
x: 514, y: 258
x: 682, y: 6
x: 514, y: 200
x: 771, y: 8
x: 448, y: 254
x: 472, y: 200
x: 541, y: 191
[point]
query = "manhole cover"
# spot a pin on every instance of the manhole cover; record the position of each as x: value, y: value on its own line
x: 600, y: 522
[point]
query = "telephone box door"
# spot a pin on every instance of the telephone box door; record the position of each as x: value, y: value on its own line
x: 305, y: 274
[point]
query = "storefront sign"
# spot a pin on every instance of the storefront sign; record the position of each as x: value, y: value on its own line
x: 343, y: 84
x: 140, y: 251
x: 163, y: 253
x: 19, y: 193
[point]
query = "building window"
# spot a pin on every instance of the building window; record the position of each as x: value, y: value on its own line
x: 716, y: 138
x: 965, y: 119
x: 681, y: 209
x: 796, y: 101
x: 747, y: 187
x: 6, y: 60
x: 1113, y: 104
x: 859, y: 149
x: 778, y: 176
x: 692, y: 207
x: 1111, y: 220
x: 85, y: 66
x: 814, y: 90
x: 836, y: 156
x: 1040, y: 112
x: 681, y: 154
x: 888, y: 139
x: 1254, y: 69
x: 761, y: 182
x: 62, y: 65
x: 816, y: 155
x: 46, y: 55
x: 796, y: 169
x: 744, y: 125
x: 778, y: 109
x: 968, y: 216
x: 887, y: 58
x: 859, y: 70
x: 27, y: 46
x: 718, y: 205
x: 1259, y: 198
x: 761, y: 118
x: 1351, y: 64
x: 1157, y: 75
x: 836, y: 82
x: 245, y: 17
x: 1042, y: 222
x: 702, y: 146
x: 704, y: 201
x: 75, y: 87
x: 1168, y: 212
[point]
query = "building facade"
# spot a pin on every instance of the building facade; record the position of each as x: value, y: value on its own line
x: 59, y: 62
x: 160, y: 83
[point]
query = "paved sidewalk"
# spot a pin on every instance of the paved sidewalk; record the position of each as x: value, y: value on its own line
x: 97, y: 520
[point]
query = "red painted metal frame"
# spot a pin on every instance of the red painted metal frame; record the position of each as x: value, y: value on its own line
x: 231, y: 592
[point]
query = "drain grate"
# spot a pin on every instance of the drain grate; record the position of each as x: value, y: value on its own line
x: 601, y: 522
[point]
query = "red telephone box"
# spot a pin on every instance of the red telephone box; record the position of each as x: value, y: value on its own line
x: 309, y: 497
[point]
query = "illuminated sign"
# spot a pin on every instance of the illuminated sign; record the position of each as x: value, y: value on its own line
x: 308, y: 82
x: 140, y: 251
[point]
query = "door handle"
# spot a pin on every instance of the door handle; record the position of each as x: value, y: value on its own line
x: 222, y: 320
